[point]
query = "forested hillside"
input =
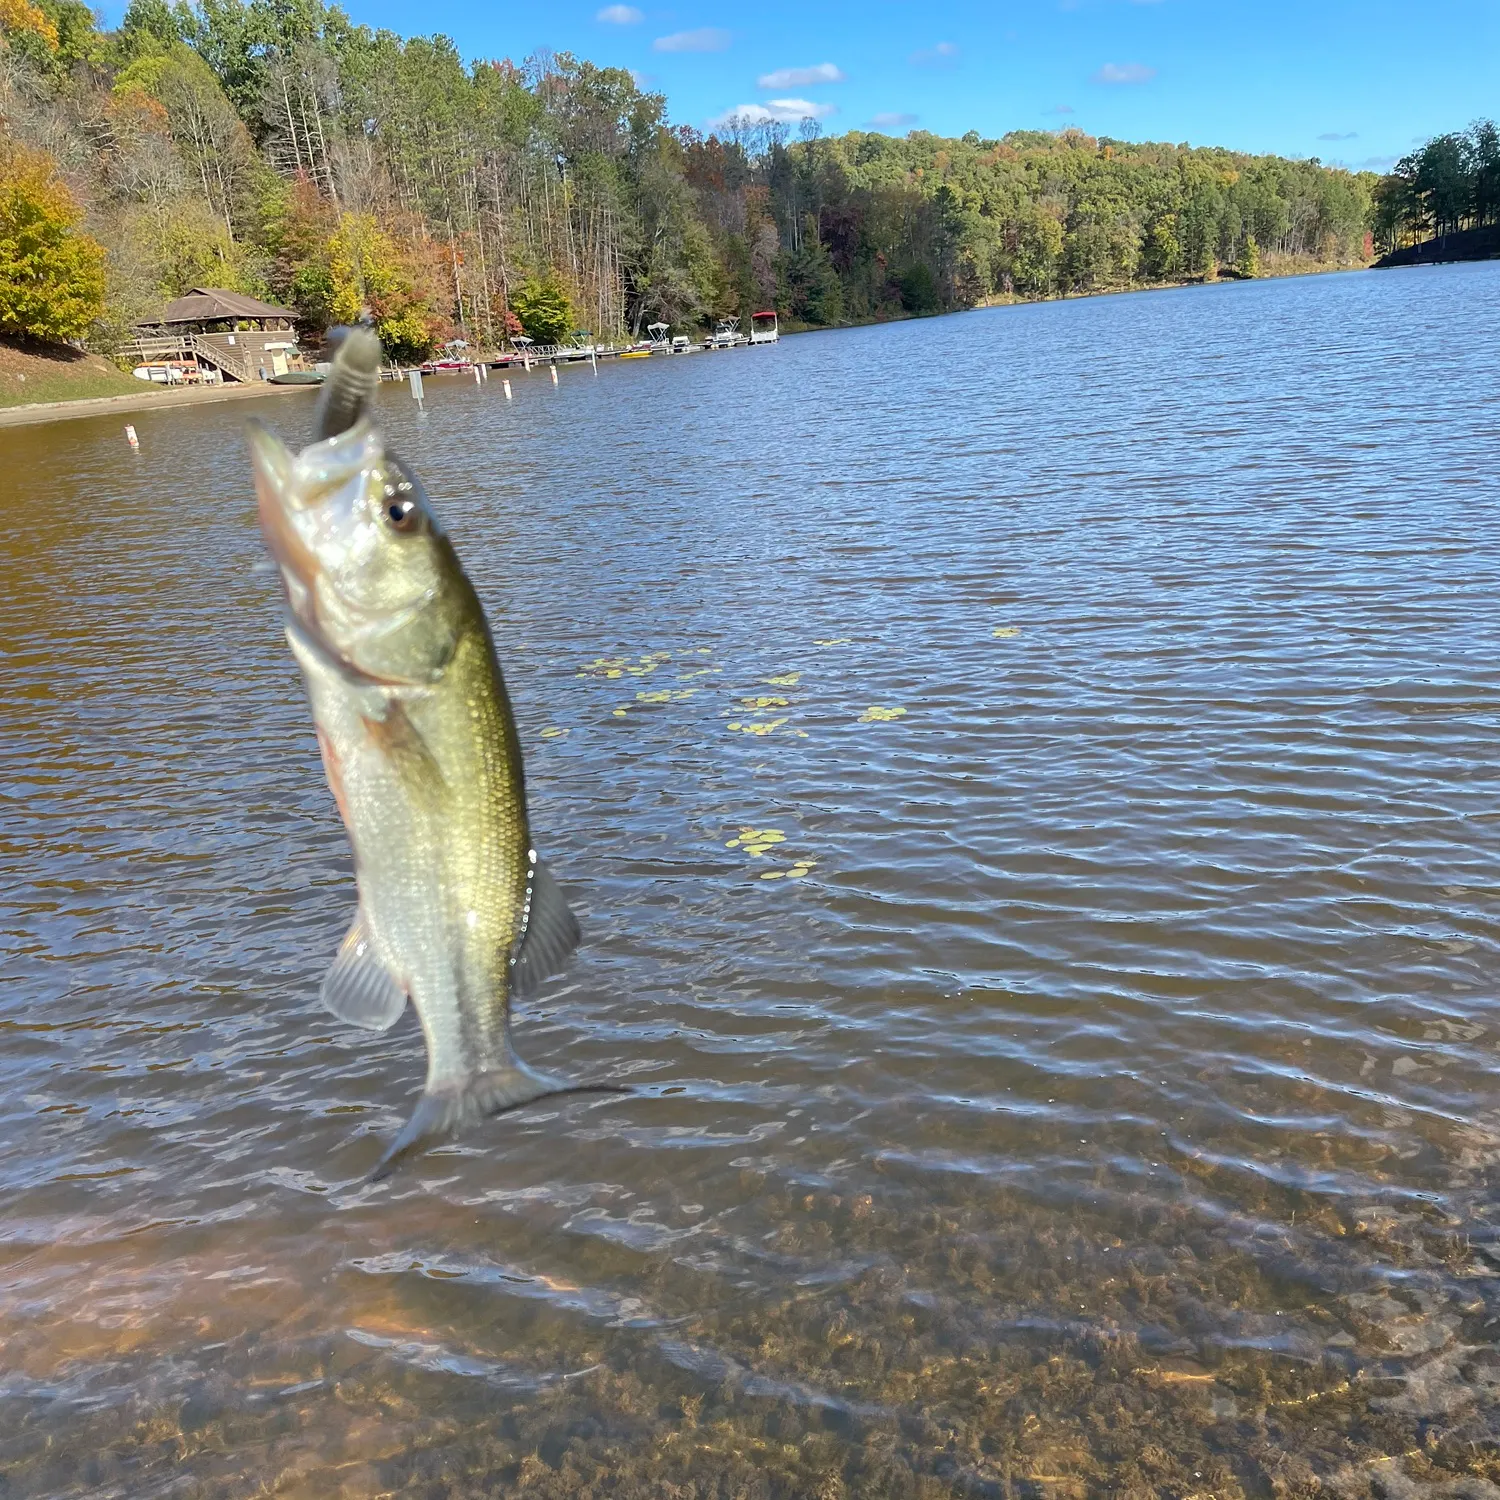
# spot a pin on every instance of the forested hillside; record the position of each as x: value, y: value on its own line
x: 277, y: 148
x: 1451, y: 182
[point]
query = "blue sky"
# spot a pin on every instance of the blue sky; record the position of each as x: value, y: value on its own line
x: 1352, y: 81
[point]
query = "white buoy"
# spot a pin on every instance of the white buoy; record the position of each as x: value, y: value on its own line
x: 506, y: 384
x: 554, y: 374
x: 131, y: 438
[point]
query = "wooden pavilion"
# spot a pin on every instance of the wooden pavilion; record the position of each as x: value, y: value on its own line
x: 241, y: 337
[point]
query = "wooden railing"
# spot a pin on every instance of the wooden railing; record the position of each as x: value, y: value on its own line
x: 230, y: 361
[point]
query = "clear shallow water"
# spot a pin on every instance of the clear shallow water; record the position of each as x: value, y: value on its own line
x: 1101, y: 1100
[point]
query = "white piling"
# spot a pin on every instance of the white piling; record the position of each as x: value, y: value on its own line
x: 526, y: 360
x: 506, y: 384
x: 131, y: 438
x: 414, y: 377
x: 477, y: 376
x: 594, y: 357
x: 554, y: 374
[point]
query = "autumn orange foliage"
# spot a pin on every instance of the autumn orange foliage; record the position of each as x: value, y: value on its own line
x: 22, y: 16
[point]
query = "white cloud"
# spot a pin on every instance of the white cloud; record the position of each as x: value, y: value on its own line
x: 1375, y: 164
x: 894, y: 121
x: 799, y: 78
x: 1059, y: 109
x: 705, y: 39
x: 798, y: 109
x: 787, y: 111
x: 1124, y: 73
x: 1338, y: 135
x: 620, y: 15
x: 938, y: 56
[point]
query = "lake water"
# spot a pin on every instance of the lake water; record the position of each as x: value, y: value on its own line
x: 1031, y: 783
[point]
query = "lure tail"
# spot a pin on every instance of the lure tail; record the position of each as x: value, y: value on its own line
x: 350, y: 384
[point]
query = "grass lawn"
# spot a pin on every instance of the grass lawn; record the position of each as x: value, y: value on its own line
x: 39, y: 372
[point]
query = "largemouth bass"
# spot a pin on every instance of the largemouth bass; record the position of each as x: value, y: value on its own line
x: 420, y: 748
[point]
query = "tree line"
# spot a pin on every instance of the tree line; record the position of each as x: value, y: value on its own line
x: 277, y: 148
x: 1452, y: 182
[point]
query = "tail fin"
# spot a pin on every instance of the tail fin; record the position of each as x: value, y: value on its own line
x: 441, y: 1113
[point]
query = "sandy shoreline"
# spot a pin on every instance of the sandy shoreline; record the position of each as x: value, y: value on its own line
x: 147, y: 400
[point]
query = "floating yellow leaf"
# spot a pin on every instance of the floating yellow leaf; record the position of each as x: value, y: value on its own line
x: 876, y: 715
x: 619, y: 713
x: 765, y: 702
x: 773, y: 874
x: 661, y: 697
x: 767, y: 726
x: 843, y: 640
x: 787, y: 679
x: 552, y: 732
x: 1007, y: 632
x: 757, y: 840
x: 605, y: 666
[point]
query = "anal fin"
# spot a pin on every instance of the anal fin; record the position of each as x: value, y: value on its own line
x: 358, y: 988
x: 551, y: 934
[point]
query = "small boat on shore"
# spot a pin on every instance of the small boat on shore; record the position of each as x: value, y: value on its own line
x: 726, y: 335
x: 764, y: 329
x: 297, y: 377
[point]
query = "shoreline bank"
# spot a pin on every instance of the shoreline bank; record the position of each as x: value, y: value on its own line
x: 146, y: 400
x: 1278, y: 272
x: 149, y: 398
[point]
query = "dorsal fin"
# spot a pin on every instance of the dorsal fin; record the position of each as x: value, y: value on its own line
x: 551, y: 933
x: 358, y: 988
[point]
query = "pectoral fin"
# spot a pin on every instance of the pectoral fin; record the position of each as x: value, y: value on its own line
x: 551, y: 934
x: 358, y: 988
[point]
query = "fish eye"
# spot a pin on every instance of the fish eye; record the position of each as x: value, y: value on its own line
x: 401, y: 507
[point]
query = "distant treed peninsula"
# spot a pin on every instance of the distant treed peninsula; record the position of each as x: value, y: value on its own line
x: 278, y: 149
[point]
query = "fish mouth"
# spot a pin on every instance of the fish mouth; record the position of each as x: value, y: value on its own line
x: 275, y: 497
